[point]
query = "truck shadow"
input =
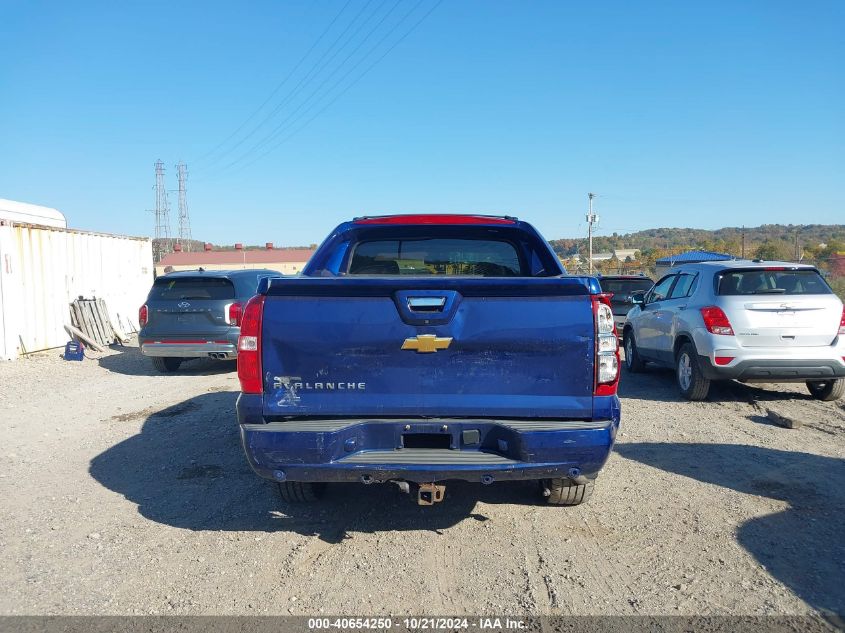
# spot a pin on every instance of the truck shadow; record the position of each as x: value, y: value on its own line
x: 130, y: 362
x: 801, y: 546
x: 186, y: 469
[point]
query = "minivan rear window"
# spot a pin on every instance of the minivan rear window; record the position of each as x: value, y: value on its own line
x: 186, y: 288
x: 436, y: 256
x: 772, y: 282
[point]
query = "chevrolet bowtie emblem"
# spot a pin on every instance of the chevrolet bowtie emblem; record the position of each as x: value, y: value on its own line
x: 426, y: 343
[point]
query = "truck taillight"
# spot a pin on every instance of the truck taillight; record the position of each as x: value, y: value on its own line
x: 716, y: 321
x: 607, y: 347
x: 234, y: 312
x: 143, y: 315
x: 249, y: 346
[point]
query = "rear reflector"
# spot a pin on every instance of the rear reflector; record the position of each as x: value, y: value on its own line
x: 143, y: 315
x: 435, y: 219
x: 249, y: 346
x: 716, y: 321
x: 724, y: 360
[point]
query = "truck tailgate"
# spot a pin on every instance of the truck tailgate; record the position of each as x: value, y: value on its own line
x: 428, y: 347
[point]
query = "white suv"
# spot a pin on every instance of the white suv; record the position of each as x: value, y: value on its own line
x: 746, y: 320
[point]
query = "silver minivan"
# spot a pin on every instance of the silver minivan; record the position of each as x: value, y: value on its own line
x: 750, y: 321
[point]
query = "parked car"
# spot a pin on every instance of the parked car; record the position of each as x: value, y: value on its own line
x: 750, y: 321
x: 622, y: 287
x: 195, y: 314
x: 422, y: 349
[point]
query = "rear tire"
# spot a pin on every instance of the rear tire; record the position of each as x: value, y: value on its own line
x: 565, y: 492
x: 300, y: 491
x: 691, y: 382
x: 633, y: 362
x: 166, y: 364
x: 827, y: 390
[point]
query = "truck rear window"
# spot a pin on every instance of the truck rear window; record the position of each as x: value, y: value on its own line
x: 179, y: 288
x: 772, y: 282
x: 436, y: 256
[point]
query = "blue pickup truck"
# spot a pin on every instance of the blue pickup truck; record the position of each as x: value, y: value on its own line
x: 418, y: 349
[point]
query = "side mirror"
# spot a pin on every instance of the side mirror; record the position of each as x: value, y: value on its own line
x: 638, y: 297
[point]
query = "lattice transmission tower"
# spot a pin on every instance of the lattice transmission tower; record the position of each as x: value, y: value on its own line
x: 184, y: 219
x: 162, y: 244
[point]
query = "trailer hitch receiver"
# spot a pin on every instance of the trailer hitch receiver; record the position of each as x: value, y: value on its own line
x: 429, y: 494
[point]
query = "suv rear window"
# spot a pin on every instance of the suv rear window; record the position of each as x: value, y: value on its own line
x: 625, y: 286
x: 179, y: 288
x: 436, y: 256
x: 772, y: 282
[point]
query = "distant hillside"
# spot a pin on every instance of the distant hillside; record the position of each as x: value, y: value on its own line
x: 727, y: 240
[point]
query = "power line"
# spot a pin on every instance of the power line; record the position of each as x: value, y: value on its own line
x: 268, y: 138
x: 352, y: 83
x: 279, y: 86
x: 303, y: 82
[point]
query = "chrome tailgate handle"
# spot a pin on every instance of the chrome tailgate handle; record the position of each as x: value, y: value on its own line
x: 426, y: 304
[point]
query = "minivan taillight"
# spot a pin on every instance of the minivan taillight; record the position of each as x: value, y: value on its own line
x: 716, y: 321
x: 842, y: 323
x: 249, y: 346
x: 607, y: 347
x: 143, y: 315
x: 234, y: 311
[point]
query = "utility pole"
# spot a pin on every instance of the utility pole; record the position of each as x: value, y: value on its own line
x: 184, y: 221
x: 162, y: 230
x: 743, y: 242
x: 591, y: 219
x: 797, y: 247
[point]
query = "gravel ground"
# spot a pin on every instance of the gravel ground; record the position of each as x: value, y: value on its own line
x: 125, y: 492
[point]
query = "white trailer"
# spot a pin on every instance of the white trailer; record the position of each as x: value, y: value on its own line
x: 31, y: 214
x: 43, y: 269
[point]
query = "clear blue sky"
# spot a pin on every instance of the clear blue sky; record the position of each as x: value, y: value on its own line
x: 699, y: 114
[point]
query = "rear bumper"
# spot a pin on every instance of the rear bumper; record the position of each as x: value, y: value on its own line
x: 480, y: 449
x: 773, y: 370
x: 768, y: 364
x: 193, y: 349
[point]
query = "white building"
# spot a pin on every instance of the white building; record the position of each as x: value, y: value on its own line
x: 622, y: 254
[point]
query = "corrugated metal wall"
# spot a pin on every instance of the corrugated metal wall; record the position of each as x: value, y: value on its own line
x: 43, y: 269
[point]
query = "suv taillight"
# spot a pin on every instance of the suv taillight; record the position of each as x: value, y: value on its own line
x: 234, y: 312
x: 842, y: 323
x: 249, y: 346
x: 607, y: 347
x: 143, y: 315
x: 716, y: 321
